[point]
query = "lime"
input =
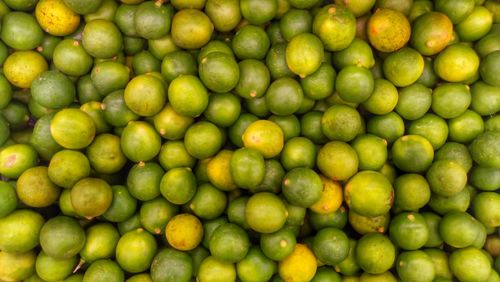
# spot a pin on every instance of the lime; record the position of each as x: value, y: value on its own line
x: 375, y: 253
x: 388, y: 30
x: 458, y: 229
x: 414, y: 101
x: 369, y: 193
x: 255, y: 266
x: 304, y: 54
x: 105, y: 269
x: 371, y: 151
x: 139, y: 141
x: 100, y: 242
x: 251, y: 42
x: 203, y: 139
x: 341, y: 122
x: 284, y: 96
x: 415, y: 266
x: 17, y: 266
x: 302, y: 187
x: 295, y: 22
x: 300, y: 265
x: 264, y: 136
x: 143, y: 180
x: 403, y: 67
x: 208, y: 202
x: 91, y: 197
x: 229, y: 243
x: 456, y: 63
x: 470, y: 264
x: 35, y: 189
x: 411, y: 192
x: 383, y: 99
x: 335, y: 25
x: 412, y: 153
x: 354, y: 84
x: 17, y: 158
x: 258, y: 12
x: 337, y: 160
x: 265, y: 212
x: 213, y: 269
x: 330, y: 245
x: 21, y: 231
x: 184, y: 232
x: 446, y: 178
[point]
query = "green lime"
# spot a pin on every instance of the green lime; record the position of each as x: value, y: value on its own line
x: 365, y: 224
x: 278, y: 245
x: 265, y: 212
x: 53, y: 89
x: 72, y: 128
x: 17, y: 158
x: 35, y: 189
x: 484, y: 98
x: 341, y: 122
x: 457, y: 202
x: 457, y: 11
x: 264, y: 136
x: 412, y: 153
x: 123, y: 205
x: 455, y: 152
x: 330, y: 245
x: 487, y: 69
x: 8, y: 199
x: 145, y: 95
x: 219, y: 72
x: 101, y: 39
x: 224, y: 14
x: 191, y: 29
x: 251, y: 42
x: 236, y: 210
x: 223, y: 109
x: 354, y: 84
x: 91, y: 197
x: 298, y: 152
x: 152, y: 20
x: 428, y: 78
x: 415, y: 266
x: 174, y: 154
x: 335, y: 25
x: 21, y: 231
x: 484, y: 206
x: 484, y: 149
x: 485, y: 178
x: 135, y: 251
x: 403, y: 67
x: 155, y: 214
x: 369, y: 193
x: 432, y: 127
x: 213, y: 269
x: 272, y: 178
x: 446, y: 178
x: 178, y: 185
x: 383, y: 99
x: 62, y: 237
x: 105, y: 155
x: 358, y: 53
x: 450, y: 100
x: 208, y: 202
x: 100, y: 242
x: 229, y: 243
x: 188, y: 96
x: 476, y: 25
x: 302, y: 187
x: 258, y: 12
x: 371, y: 151
x: 247, y: 168
x: 54, y: 269
x: 409, y: 231
x: 255, y: 266
x: 321, y: 83
x: 254, y: 79
x: 178, y: 63
x: 104, y: 269
x: 171, y: 265
x: 337, y: 160
x: 431, y: 33
x: 295, y: 22
x: 466, y: 127
x: 375, y: 253
x: 458, y: 229
x: 143, y: 180
x: 21, y: 31
x: 389, y: 126
x: 170, y: 124
x: 411, y: 192
x: 139, y: 141
x: 470, y: 264
x: 414, y: 101
x: 458, y: 62
x: 304, y: 45
x: 203, y: 139
x: 71, y: 58
x: 284, y: 96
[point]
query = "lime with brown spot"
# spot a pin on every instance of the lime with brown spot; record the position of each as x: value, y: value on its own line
x: 22, y: 67
x: 388, y: 30
x: 17, y: 158
x: 56, y: 18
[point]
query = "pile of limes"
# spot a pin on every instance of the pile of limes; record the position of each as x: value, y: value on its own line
x: 250, y: 140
